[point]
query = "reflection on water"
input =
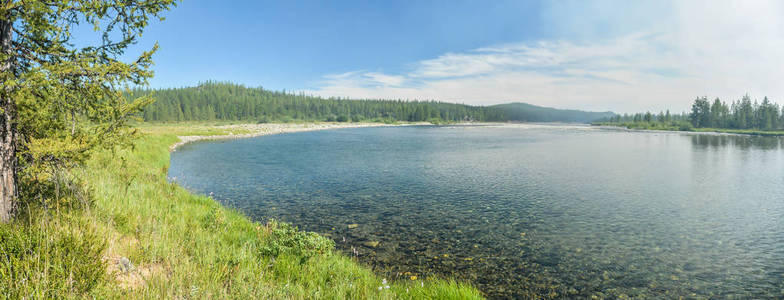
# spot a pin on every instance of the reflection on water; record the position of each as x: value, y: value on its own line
x: 737, y: 141
x: 523, y: 210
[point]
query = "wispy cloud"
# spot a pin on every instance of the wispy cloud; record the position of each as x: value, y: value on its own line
x: 711, y: 48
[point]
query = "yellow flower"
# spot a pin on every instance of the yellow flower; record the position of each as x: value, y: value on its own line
x: 413, y: 277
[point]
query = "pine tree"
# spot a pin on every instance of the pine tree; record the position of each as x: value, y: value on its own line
x: 60, y: 101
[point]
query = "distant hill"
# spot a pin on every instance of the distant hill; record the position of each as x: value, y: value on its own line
x: 524, y: 112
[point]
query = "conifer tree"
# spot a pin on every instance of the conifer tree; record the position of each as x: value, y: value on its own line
x: 59, y: 101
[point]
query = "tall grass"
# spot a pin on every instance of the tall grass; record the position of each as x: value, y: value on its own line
x: 181, y: 245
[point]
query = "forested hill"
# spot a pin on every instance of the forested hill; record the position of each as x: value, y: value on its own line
x: 524, y: 112
x: 227, y: 101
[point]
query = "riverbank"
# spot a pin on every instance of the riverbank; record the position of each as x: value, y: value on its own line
x: 131, y: 233
x: 754, y: 132
x: 234, y: 131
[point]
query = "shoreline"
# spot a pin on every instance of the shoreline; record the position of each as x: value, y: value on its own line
x: 697, y: 131
x: 215, y: 243
x: 256, y: 130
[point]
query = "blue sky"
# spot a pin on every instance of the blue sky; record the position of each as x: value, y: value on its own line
x: 599, y: 55
x: 292, y: 44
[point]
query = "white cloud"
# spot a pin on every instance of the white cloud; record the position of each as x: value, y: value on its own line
x: 712, y: 48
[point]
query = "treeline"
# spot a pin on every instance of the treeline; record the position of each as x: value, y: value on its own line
x: 648, y: 117
x: 228, y: 101
x: 742, y: 114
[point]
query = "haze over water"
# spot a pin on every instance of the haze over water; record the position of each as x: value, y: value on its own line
x: 518, y: 210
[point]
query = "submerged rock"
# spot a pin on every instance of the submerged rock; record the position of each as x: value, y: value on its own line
x: 372, y: 244
x: 352, y: 226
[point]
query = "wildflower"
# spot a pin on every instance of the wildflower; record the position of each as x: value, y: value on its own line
x: 413, y: 277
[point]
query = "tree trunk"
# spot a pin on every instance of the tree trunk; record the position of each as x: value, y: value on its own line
x: 8, y: 134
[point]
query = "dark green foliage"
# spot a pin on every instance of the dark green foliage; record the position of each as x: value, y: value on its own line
x: 742, y: 114
x: 226, y: 101
x: 61, y: 100
x: 524, y: 112
x: 700, y: 113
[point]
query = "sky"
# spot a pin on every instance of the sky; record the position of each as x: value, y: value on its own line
x: 624, y: 56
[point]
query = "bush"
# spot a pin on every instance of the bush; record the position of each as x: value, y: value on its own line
x: 53, y: 188
x: 342, y: 118
x: 286, y: 239
x: 685, y: 126
x: 214, y: 220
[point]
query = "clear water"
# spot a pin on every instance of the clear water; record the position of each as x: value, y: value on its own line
x: 522, y: 210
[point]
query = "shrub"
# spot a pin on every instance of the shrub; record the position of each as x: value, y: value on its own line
x: 342, y: 118
x: 53, y: 188
x: 286, y: 239
x: 685, y: 126
x: 214, y: 220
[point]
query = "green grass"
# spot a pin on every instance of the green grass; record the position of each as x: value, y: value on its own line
x: 182, y: 245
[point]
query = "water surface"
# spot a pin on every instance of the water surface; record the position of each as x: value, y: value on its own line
x: 522, y: 210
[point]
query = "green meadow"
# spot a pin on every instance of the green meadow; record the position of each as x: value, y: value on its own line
x: 117, y: 228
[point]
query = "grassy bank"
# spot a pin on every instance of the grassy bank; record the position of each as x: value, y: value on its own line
x: 689, y: 128
x: 180, y: 245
